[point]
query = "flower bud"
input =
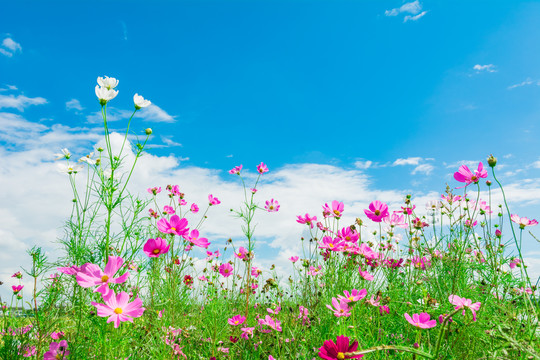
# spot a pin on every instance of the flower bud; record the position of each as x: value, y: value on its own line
x: 148, y: 131
x: 492, y: 160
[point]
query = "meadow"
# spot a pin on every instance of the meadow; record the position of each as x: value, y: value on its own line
x: 452, y: 284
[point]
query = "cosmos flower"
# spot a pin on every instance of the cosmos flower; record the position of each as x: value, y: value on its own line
x: 118, y: 308
x: 140, y: 102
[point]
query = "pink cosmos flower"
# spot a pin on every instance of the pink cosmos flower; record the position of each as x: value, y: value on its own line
x: 335, y: 211
x: 421, y: 262
x: 377, y: 211
x: 384, y: 309
x: 337, y: 350
x: 57, y: 335
x: 57, y: 351
x: 462, y: 303
x: 17, y: 288
x: 91, y: 275
x: 304, y: 315
x: 194, y: 239
x: 419, y: 224
x: 367, y: 252
x: 182, y: 202
x: 255, y: 271
x: 194, y: 208
x: 470, y: 224
x: 213, y: 200
x: 523, y: 221
x: 236, y: 320
x: 352, y: 296
x: 118, y: 308
x: 235, y: 170
x: 331, y: 244
x: 168, y: 209
x: 365, y: 275
x: 226, y: 270
x: 306, y: 220
x: 294, y: 259
x: 466, y: 176
x: 253, y: 190
x: 28, y: 351
x: 421, y: 321
x: 154, y: 190
x: 314, y: 271
x: 247, y: 332
x: 373, y: 301
x: 274, y: 324
x: 175, y: 226
x: 272, y: 205
x: 17, y: 275
x: 514, y: 263
x: 70, y: 270
x: 348, y: 234
x: 242, y: 252
x: 262, y: 168
x: 341, y: 308
x: 155, y: 247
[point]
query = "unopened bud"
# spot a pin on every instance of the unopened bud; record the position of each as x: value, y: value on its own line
x: 148, y: 131
x: 492, y: 160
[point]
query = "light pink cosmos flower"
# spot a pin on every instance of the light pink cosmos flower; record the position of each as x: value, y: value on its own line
x: 294, y: 259
x: 154, y: 190
x: 262, y: 168
x: 373, y: 301
x: 365, y: 275
x: 377, y: 211
x: 352, y: 296
x: 226, y: 270
x: 514, y: 263
x: 335, y: 211
x: 118, y: 308
x: 236, y: 320
x: 255, y: 271
x: 421, y: 321
x: 57, y: 351
x: 235, y: 170
x: 341, y: 308
x: 17, y: 275
x: 523, y: 221
x: 274, y: 324
x: 367, y: 252
x: 57, y: 335
x: 70, y: 270
x: 91, y: 275
x: 247, y: 332
x: 194, y: 239
x: 304, y: 315
x: 384, y: 309
x: 314, y: 271
x: 194, y: 208
x: 168, y: 209
x: 309, y: 220
x: 17, y: 288
x: 396, y: 220
x: 242, y: 252
x: 466, y: 176
x: 155, y: 247
x: 462, y: 303
x: 331, y: 244
x: 253, y: 190
x: 182, y: 202
x: 174, y: 226
x: 213, y: 200
x: 272, y: 205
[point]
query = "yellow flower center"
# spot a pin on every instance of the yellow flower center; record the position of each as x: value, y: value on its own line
x: 337, y: 212
x: 118, y: 311
x: 59, y: 356
x: 340, y: 356
x: 331, y: 245
x: 173, y: 229
x: 351, y: 298
x: 377, y: 212
x: 104, y: 278
x: 156, y: 251
x: 236, y: 322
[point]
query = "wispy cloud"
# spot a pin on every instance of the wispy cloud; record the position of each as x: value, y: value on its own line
x: 526, y: 82
x: 363, y: 164
x: 536, y: 164
x: 10, y: 47
x: 124, y: 30
x: 407, y: 161
x: 74, y: 104
x: 485, y: 68
x: 423, y: 168
x: 9, y: 88
x: 155, y: 113
x: 20, y: 102
x: 414, y: 9
x: 167, y: 140
x: 152, y: 113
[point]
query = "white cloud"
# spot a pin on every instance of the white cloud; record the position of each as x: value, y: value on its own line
x: 407, y: 161
x: 526, y: 82
x: 74, y: 104
x: 488, y: 68
x: 167, y: 140
x: 415, y: 17
x: 423, y: 168
x: 19, y: 102
x: 10, y: 47
x: 363, y: 164
x: 155, y: 113
x: 9, y: 88
x: 413, y: 8
x: 469, y: 163
x: 152, y: 113
x: 536, y: 164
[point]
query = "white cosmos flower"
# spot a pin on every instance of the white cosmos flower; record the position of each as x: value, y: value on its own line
x: 140, y: 102
x: 88, y: 159
x: 69, y: 168
x: 104, y: 95
x: 107, y: 82
x: 64, y: 155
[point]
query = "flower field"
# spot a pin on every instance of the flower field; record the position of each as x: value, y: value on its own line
x: 128, y: 283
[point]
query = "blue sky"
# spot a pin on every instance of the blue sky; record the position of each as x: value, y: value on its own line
x: 398, y: 93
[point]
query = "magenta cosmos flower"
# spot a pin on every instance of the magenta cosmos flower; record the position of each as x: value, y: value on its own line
x: 307, y: 220
x: 341, y: 308
x: 213, y: 200
x: 91, y: 275
x: 236, y: 320
x: 339, y: 349
x: 274, y: 324
x: 335, y: 211
x: 272, y: 205
x: 57, y: 351
x: 466, y: 176
x: 175, y: 225
x: 118, y: 308
x: 354, y: 295
x: 156, y: 247
x: 226, y: 269
x: 194, y: 239
x: 235, y: 170
x: 421, y: 320
x: 17, y: 288
x: 377, y: 211
x: 462, y: 303
x: 523, y: 221
x: 262, y: 168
